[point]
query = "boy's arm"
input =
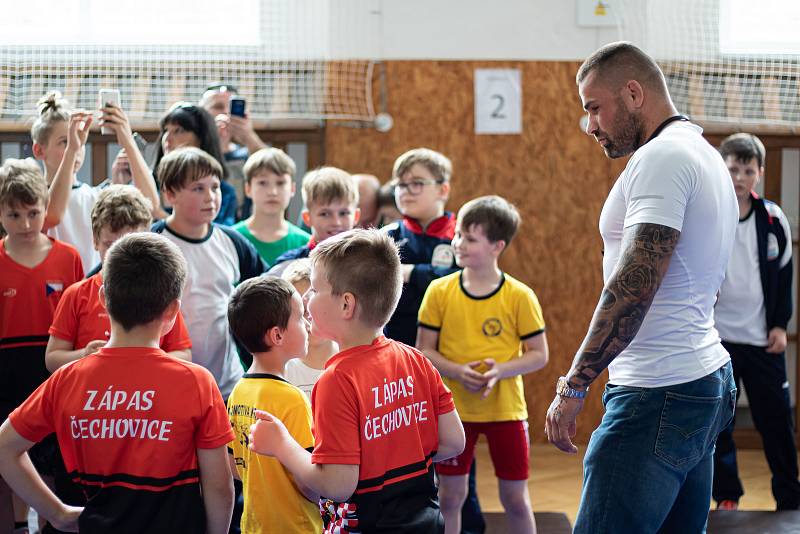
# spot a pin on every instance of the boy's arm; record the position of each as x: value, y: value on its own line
x: 534, y: 358
x: 61, y: 186
x: 217, y: 487
x: 18, y: 471
x: 116, y: 119
x: 451, y: 436
x: 60, y: 352
x: 428, y: 343
x: 268, y: 436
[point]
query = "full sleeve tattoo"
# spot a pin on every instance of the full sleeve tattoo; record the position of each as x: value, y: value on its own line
x: 625, y: 300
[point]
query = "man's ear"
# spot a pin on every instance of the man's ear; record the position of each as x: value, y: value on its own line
x: 633, y: 95
x: 348, y: 306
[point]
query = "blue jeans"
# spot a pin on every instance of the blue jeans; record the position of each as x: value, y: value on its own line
x: 648, y: 466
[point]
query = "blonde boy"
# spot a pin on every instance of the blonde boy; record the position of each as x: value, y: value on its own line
x: 269, y: 183
x: 381, y: 412
x: 472, y: 325
x: 267, y: 316
x: 421, y: 179
x: 81, y: 325
x: 219, y: 258
x: 35, y: 271
x: 304, y: 372
x: 330, y: 196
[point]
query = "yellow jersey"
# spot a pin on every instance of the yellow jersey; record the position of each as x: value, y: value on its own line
x: 473, y: 328
x: 272, y: 501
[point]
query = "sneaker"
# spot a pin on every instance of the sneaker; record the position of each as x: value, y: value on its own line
x: 727, y: 505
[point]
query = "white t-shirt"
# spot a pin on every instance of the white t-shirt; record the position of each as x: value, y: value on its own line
x: 740, y: 313
x: 301, y: 375
x: 680, y: 181
x: 213, y: 271
x: 75, y: 227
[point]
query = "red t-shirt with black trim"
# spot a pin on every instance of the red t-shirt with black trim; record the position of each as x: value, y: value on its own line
x: 28, y: 299
x: 378, y: 406
x: 81, y: 318
x: 129, y: 422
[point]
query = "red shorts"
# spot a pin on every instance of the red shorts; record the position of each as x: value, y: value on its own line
x: 509, y: 447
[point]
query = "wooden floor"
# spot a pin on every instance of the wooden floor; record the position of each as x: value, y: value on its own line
x: 555, y: 480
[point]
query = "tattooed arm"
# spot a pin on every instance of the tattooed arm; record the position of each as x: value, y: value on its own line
x: 626, y: 298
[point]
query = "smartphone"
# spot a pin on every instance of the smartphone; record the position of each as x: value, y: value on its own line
x: 237, y: 106
x: 108, y: 96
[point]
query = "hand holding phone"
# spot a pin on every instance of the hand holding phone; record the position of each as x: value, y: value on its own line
x: 238, y: 105
x: 105, y: 97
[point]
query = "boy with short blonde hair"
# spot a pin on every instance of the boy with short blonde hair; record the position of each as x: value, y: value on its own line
x: 80, y: 325
x: 380, y: 408
x: 35, y: 271
x: 330, y: 196
x: 269, y: 183
x: 473, y: 325
x: 304, y: 372
x: 267, y: 316
x: 220, y: 258
x: 421, y: 179
x: 142, y: 432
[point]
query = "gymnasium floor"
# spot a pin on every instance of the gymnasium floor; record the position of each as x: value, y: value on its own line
x: 555, y: 480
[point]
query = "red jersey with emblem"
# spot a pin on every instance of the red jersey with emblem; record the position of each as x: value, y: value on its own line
x: 28, y: 299
x: 129, y: 422
x: 81, y: 318
x: 378, y: 406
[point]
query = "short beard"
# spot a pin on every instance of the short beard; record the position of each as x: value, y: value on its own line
x: 628, y: 134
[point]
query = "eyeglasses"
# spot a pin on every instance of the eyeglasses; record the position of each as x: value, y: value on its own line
x: 414, y: 187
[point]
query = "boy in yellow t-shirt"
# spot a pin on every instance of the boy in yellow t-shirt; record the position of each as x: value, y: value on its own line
x: 267, y: 316
x: 483, y: 330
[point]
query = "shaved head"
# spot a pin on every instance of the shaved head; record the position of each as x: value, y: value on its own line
x: 617, y: 63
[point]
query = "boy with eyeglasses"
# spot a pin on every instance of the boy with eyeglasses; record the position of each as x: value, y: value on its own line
x: 421, y: 179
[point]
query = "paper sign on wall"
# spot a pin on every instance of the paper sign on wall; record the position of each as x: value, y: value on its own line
x: 498, y: 101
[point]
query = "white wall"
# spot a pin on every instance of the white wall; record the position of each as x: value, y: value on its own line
x: 478, y: 29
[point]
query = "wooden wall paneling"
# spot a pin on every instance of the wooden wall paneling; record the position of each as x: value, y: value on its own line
x: 773, y: 169
x: 556, y: 175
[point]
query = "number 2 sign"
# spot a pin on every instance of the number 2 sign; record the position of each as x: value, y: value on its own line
x: 498, y: 101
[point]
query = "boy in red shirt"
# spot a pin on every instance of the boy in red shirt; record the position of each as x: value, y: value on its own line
x: 145, y: 434
x: 382, y: 415
x: 81, y: 326
x: 36, y: 270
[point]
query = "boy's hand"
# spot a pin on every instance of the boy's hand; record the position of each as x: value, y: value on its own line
x: 93, y: 347
x: 67, y: 519
x: 114, y: 118
x: 121, y: 168
x: 776, y: 341
x: 79, y: 124
x: 491, y: 375
x: 473, y: 380
x: 267, y: 435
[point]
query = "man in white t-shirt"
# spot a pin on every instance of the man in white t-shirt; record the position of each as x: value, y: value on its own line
x: 754, y: 307
x: 668, y: 228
